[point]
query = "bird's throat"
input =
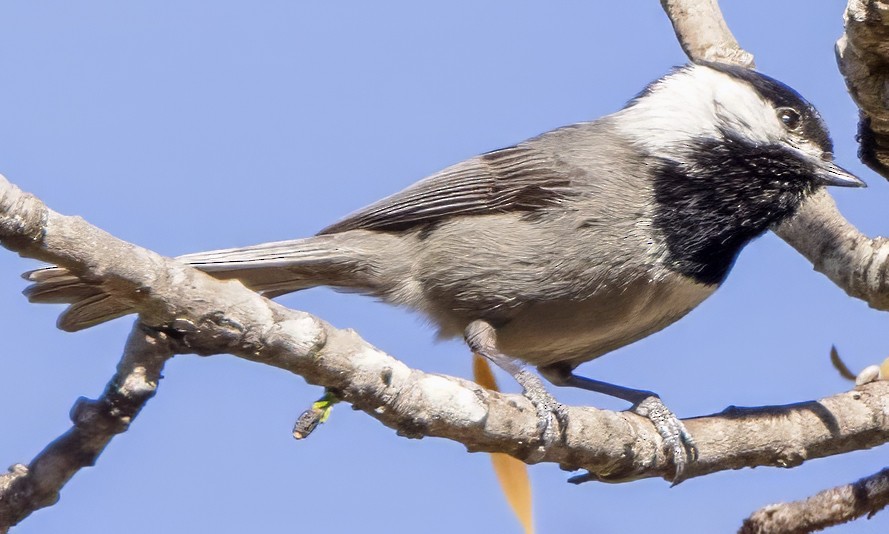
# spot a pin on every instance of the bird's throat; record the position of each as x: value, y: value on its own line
x: 710, y: 206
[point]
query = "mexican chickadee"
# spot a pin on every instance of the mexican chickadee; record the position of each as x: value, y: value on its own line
x: 566, y: 246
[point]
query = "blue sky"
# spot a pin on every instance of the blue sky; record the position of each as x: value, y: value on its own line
x: 184, y: 126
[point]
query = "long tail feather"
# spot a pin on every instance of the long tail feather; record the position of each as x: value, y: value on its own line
x: 270, y: 268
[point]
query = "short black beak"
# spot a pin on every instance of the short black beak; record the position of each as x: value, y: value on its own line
x: 829, y: 173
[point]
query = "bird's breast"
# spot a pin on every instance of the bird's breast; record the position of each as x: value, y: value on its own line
x: 580, y: 330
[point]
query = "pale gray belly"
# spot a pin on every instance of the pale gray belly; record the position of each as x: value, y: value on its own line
x: 578, y: 331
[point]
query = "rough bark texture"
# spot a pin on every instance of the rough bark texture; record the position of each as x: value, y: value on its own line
x: 863, y: 57
x: 703, y: 33
x: 852, y: 260
x: 25, y: 488
x: 830, y: 507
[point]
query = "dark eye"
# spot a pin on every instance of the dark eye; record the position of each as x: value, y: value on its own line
x: 789, y: 117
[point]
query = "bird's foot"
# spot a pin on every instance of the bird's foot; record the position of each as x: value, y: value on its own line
x: 677, y: 439
x: 552, y: 416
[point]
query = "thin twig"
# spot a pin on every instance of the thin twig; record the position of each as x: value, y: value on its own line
x: 825, y: 509
x: 25, y: 489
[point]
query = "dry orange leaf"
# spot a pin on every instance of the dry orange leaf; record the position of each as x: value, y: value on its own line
x: 844, y: 371
x: 840, y: 365
x: 512, y: 473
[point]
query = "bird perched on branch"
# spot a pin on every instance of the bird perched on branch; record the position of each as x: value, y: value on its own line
x: 566, y: 246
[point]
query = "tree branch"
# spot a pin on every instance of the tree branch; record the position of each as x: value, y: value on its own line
x: 703, y: 33
x: 853, y: 261
x: 863, y: 58
x: 825, y: 509
x: 25, y: 489
x: 208, y: 316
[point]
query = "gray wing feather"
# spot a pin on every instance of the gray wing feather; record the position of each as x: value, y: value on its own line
x: 519, y: 178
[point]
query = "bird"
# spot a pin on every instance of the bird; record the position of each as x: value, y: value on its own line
x: 561, y: 248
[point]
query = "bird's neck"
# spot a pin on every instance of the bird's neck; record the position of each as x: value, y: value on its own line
x: 725, y: 194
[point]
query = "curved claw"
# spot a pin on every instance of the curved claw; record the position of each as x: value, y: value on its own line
x: 551, y: 414
x: 482, y: 339
x: 677, y: 439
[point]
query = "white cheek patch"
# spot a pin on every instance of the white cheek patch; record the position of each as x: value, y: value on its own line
x: 741, y: 110
x: 694, y: 103
x: 676, y: 110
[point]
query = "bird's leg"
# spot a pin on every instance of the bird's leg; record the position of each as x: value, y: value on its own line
x: 676, y: 437
x: 482, y: 339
